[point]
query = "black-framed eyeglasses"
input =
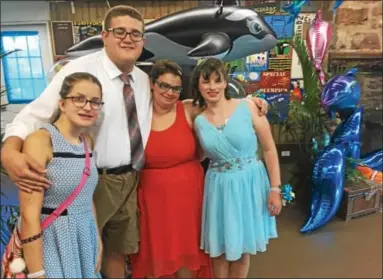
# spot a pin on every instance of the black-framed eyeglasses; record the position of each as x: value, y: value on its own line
x: 165, y: 87
x: 81, y: 101
x: 121, y: 33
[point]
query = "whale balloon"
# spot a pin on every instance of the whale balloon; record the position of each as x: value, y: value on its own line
x: 226, y: 32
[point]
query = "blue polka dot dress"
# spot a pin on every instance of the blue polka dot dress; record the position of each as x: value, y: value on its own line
x: 70, y: 244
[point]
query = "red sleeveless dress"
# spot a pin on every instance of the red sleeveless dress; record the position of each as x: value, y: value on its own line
x: 170, y: 195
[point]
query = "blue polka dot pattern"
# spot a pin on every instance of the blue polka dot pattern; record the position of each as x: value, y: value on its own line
x: 70, y: 244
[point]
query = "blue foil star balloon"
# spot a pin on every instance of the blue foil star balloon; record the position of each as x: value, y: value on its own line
x: 341, y: 93
x: 327, y: 189
x: 374, y: 160
x: 294, y: 9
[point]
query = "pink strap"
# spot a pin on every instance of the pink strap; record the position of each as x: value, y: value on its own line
x: 49, y: 220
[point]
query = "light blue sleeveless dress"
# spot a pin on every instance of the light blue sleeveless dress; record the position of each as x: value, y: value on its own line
x: 70, y: 243
x: 235, y: 215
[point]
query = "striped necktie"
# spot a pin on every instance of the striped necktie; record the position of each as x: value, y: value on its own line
x: 136, y: 145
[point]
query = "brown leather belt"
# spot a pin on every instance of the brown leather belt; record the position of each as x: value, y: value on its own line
x: 116, y: 170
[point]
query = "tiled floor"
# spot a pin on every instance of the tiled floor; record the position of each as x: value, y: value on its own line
x: 339, y: 250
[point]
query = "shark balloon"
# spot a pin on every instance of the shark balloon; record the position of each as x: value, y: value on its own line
x: 226, y: 32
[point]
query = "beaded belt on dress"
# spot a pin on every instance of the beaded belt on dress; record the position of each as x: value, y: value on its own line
x: 232, y: 164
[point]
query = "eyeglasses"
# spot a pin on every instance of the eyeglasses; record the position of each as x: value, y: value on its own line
x: 81, y: 101
x: 121, y: 33
x: 165, y: 87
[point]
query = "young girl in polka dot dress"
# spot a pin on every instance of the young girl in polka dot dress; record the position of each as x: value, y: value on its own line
x: 70, y: 247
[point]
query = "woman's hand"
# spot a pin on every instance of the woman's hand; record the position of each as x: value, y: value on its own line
x: 275, y: 203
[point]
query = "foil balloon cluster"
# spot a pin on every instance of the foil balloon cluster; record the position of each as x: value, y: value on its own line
x: 329, y: 172
x: 327, y: 186
x: 318, y: 39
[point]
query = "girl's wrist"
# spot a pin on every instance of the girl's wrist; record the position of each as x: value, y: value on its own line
x: 275, y: 189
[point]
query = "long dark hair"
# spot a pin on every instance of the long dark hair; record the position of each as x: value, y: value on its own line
x: 69, y: 83
x: 206, y: 69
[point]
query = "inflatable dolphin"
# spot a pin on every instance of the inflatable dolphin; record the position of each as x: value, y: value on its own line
x: 226, y: 32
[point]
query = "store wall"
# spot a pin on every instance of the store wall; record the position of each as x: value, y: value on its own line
x: 24, y: 11
x: 358, y: 42
x: 95, y: 11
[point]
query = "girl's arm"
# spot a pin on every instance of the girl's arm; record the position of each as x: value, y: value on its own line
x: 262, y: 127
x: 200, y: 152
x: 38, y: 146
x: 191, y: 112
x: 89, y: 140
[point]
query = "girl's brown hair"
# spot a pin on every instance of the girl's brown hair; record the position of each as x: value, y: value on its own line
x: 206, y: 69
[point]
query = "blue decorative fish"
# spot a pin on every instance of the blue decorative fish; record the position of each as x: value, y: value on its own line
x: 294, y: 8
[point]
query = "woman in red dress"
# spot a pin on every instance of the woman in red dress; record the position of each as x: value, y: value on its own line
x: 170, y: 190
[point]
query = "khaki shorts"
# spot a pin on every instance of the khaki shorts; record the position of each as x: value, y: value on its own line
x: 115, y: 199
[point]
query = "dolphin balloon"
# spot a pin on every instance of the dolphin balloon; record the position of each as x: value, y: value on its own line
x: 341, y: 93
x: 226, y: 32
x: 327, y: 191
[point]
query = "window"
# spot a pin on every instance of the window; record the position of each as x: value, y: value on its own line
x: 23, y: 70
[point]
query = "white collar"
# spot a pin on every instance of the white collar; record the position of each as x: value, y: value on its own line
x: 111, y: 68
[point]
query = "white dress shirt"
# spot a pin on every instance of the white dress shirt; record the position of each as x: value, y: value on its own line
x: 112, y: 144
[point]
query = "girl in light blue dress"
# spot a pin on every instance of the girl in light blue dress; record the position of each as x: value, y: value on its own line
x: 240, y: 202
